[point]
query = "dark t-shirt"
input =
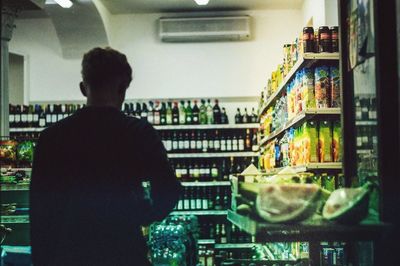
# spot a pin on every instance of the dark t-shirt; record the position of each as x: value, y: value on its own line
x: 87, y: 202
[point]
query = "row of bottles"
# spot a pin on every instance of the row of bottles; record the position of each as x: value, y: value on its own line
x: 157, y: 113
x: 209, y: 140
x: 209, y: 169
x: 223, y: 232
x: 313, y: 142
x: 172, y: 113
x: 204, y: 198
x: 244, y: 117
x: 365, y: 108
x: 23, y: 116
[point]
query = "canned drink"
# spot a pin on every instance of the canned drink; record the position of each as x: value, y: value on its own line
x: 322, y: 86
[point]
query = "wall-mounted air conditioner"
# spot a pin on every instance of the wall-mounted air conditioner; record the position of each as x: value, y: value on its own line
x: 204, y: 29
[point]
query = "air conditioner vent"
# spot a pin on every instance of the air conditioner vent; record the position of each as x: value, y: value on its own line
x: 205, y: 29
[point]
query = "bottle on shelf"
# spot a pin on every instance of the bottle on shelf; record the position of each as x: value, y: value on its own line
x: 210, y: 113
x: 150, y: 113
x: 138, y: 110
x: 175, y: 114
x: 254, y: 116
x: 217, y: 113
x: 182, y: 113
x: 157, y: 113
x: 144, y: 113
x: 163, y: 114
x: 203, y: 113
x: 169, y: 114
x: 195, y: 113
x: 189, y: 114
x: 238, y: 117
x: 224, y: 116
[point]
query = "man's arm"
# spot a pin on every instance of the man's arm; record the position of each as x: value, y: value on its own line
x: 165, y: 188
x: 39, y: 209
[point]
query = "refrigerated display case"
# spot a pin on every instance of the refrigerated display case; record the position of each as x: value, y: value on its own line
x: 370, y: 109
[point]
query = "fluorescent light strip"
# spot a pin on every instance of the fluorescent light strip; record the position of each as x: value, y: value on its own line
x: 202, y: 2
x: 64, y: 3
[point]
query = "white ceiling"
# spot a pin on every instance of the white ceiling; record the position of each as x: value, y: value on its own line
x: 161, y: 6
x: 155, y: 6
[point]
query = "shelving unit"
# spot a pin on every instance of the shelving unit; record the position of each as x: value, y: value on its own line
x: 165, y: 127
x: 310, y: 167
x: 213, y: 154
x: 307, y: 60
x: 366, y: 123
x: 14, y: 187
x: 200, y: 212
x: 14, y: 219
x: 234, y: 245
x: 306, y: 114
x: 206, y: 184
x: 206, y: 241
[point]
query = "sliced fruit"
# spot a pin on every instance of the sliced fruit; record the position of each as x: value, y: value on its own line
x: 347, y: 205
x: 287, y: 203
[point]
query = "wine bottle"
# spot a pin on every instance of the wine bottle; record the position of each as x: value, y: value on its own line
x: 150, y: 116
x: 169, y: 114
x: 181, y: 142
x: 144, y: 113
x: 199, y: 142
x: 138, y: 110
x: 203, y: 113
x: 24, y: 116
x: 204, y: 143
x: 254, y: 116
x: 222, y: 143
x: 217, y: 113
x: 195, y: 113
x: 48, y: 115
x: 210, y: 114
x: 224, y: 116
x: 157, y: 116
x: 217, y: 144
x: 235, y: 143
x: 182, y: 113
x: 29, y: 117
x: 245, y: 118
x: 189, y: 114
x: 175, y: 114
x: 238, y: 117
x: 163, y: 114
x: 11, y: 117
x: 36, y: 114
x: 193, y: 142
x: 175, y: 144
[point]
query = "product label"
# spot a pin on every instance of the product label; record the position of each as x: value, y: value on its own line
x: 42, y: 122
x: 186, y: 204
x: 193, y: 144
x: 198, y: 145
x: 48, y: 118
x: 181, y: 144
x: 198, y: 204
x: 324, y: 36
x: 196, y: 173
x: 184, y: 172
x: 216, y: 145
x: 230, y: 143
x: 241, y: 144
x: 24, y: 118
x: 168, y: 145
x: 174, y: 145
x: 223, y: 145
x: 12, y: 118
x: 211, y: 144
x: 186, y: 145
x: 214, y: 172
x: 35, y: 117
x: 60, y: 117
x: 205, y: 145
x: 30, y: 118
x: 54, y: 118
x: 178, y: 173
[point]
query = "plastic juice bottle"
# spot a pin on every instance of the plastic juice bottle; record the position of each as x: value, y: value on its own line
x: 337, y: 142
x: 325, y: 141
x: 312, y: 128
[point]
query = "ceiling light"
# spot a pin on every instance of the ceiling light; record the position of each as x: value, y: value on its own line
x: 202, y: 2
x: 64, y: 3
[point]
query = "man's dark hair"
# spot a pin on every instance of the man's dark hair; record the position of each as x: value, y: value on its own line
x: 103, y: 67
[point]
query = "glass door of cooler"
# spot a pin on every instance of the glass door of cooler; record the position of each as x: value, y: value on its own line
x: 370, y: 94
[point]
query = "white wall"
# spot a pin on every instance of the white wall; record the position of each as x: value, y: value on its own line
x: 162, y: 70
x: 322, y: 12
x: 16, y: 79
x: 331, y: 12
